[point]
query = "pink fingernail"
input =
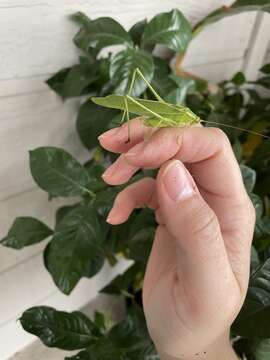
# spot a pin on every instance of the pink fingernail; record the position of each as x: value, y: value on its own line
x: 111, y: 132
x: 178, y: 183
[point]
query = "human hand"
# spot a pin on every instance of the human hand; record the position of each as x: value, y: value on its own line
x: 198, y: 270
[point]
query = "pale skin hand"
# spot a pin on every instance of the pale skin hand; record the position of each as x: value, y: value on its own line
x: 197, y: 273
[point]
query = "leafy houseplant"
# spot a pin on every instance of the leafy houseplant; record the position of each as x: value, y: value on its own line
x: 82, y: 241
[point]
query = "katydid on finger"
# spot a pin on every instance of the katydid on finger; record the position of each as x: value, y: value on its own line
x: 155, y: 113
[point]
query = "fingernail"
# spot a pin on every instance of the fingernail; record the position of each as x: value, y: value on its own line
x: 110, y: 171
x: 109, y: 219
x: 113, y: 214
x: 178, y: 183
x: 111, y: 132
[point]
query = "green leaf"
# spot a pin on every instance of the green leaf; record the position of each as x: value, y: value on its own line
x: 102, y: 349
x: 26, y: 231
x: 131, y: 334
x: 81, y: 19
x: 255, y: 261
x: 123, y: 65
x: 100, y: 320
x: 127, y: 340
x: 265, y: 69
x: 96, y: 183
x: 162, y: 82
x: 67, y: 331
x: 137, y: 30
x: 258, y: 205
x: 253, y: 320
x: 239, y: 78
x: 264, y: 82
x: 141, y: 235
x: 237, y: 7
x: 76, y: 248
x: 63, y: 211
x: 92, y: 121
x: 81, y: 41
x: 140, y: 245
x: 179, y: 94
x: 56, y: 82
x: 102, y: 32
x: 262, y: 226
x: 249, y: 177
x: 78, y: 79
x: 262, y: 350
x: 57, y: 172
x: 122, y: 283
x: 104, y: 200
x: 171, y: 29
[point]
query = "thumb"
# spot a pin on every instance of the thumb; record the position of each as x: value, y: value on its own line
x: 201, y: 255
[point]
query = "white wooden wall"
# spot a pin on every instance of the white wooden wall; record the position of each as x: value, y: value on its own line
x: 35, y: 42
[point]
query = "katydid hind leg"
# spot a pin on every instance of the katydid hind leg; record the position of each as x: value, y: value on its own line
x: 128, y: 119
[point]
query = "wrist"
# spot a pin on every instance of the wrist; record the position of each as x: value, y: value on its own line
x: 221, y: 349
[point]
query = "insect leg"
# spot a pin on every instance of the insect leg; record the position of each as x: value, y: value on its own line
x: 123, y: 116
x: 128, y: 119
x: 138, y: 72
x: 145, y: 108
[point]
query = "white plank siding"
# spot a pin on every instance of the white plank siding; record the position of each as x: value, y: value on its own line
x: 36, y: 40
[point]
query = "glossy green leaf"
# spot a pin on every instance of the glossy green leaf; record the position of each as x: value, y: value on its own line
x: 262, y: 350
x: 255, y: 261
x: 264, y: 82
x: 63, y: 211
x: 131, y: 334
x: 76, y: 248
x: 26, y: 231
x: 96, y: 183
x: 102, y: 32
x: 92, y: 121
x: 123, y: 282
x: 140, y: 244
x: 75, y: 81
x: 56, y: 82
x: 171, y: 29
x: 239, y: 78
x: 104, y: 200
x: 102, y: 349
x: 81, y: 41
x: 68, y: 331
x: 137, y: 30
x: 78, y: 78
x: 249, y: 177
x: 184, y: 87
x: 258, y: 205
x: 100, y: 320
x: 237, y: 7
x: 57, y: 172
x: 262, y: 226
x: 265, y: 69
x: 81, y: 19
x: 123, y: 65
x: 162, y: 81
x: 127, y: 340
x: 253, y: 320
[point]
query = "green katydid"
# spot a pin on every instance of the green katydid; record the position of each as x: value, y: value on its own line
x: 155, y: 113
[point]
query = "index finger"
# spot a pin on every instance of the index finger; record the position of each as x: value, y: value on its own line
x: 206, y: 151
